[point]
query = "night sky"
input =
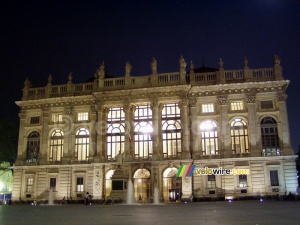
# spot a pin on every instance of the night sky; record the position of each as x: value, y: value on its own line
x: 39, y: 38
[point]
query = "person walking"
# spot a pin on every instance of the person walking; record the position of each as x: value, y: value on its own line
x: 87, y: 198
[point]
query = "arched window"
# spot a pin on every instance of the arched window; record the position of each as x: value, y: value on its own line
x: 171, y: 130
x: 239, y: 136
x: 143, y: 132
x: 209, y: 138
x: 82, y: 141
x: 33, y: 146
x: 56, y: 145
x: 115, y: 136
x: 269, y: 136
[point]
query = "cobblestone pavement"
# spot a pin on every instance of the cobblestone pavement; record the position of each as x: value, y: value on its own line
x: 208, y: 213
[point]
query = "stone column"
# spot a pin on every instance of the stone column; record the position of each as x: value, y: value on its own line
x: 156, y: 120
x: 22, y: 141
x: 129, y: 130
x: 252, y: 128
x: 44, y: 137
x: 93, y: 132
x: 194, y: 129
x: 101, y: 134
x: 284, y: 135
x: 185, y: 145
x: 225, y: 139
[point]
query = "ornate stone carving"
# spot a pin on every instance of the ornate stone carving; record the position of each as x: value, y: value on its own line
x: 154, y: 104
x: 94, y: 109
x: 281, y: 97
x: 22, y: 115
x: 183, y: 103
x: 250, y: 98
x: 193, y: 102
x: 46, y: 113
x: 69, y: 111
x: 222, y: 100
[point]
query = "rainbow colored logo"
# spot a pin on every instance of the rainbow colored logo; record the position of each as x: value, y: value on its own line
x: 186, y: 170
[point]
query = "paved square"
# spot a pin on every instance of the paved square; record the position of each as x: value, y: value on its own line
x: 225, y: 213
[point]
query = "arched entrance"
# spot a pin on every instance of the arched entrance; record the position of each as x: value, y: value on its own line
x: 171, y: 185
x: 108, y: 182
x: 142, y: 185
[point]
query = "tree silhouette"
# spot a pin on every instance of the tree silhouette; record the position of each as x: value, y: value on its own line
x: 8, y: 141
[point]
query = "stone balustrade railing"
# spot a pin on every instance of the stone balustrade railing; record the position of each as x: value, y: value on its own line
x: 155, y: 80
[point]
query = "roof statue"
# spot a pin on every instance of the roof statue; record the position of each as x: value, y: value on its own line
x: 128, y: 68
x: 221, y: 63
x: 182, y: 63
x: 154, y: 66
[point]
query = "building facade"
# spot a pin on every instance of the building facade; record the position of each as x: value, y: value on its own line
x: 73, y: 137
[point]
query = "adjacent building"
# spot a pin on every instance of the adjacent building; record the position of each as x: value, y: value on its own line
x: 73, y: 137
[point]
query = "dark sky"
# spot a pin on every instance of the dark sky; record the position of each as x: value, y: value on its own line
x: 39, y: 38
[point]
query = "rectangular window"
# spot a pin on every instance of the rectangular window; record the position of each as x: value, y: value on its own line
x: 266, y: 104
x: 53, y: 183
x: 79, y: 184
x: 29, y: 187
x: 237, y: 105
x: 57, y: 118
x: 243, y: 180
x: 35, y: 120
x: 211, y: 181
x: 208, y: 108
x: 274, y: 178
x: 83, y: 116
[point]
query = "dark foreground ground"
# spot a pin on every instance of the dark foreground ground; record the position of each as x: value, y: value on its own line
x: 225, y: 213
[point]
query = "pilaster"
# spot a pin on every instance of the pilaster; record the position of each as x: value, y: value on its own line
x: 44, y: 137
x: 284, y: 125
x: 252, y: 128
x: 185, y: 145
x: 225, y: 138
x: 194, y: 127
x: 156, y: 112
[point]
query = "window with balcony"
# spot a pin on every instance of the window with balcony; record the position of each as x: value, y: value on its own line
x: 82, y: 142
x: 115, y: 136
x: 33, y: 146
x: 269, y: 137
x: 56, y: 145
x: 171, y: 130
x: 143, y: 132
x: 239, y: 136
x: 209, y: 138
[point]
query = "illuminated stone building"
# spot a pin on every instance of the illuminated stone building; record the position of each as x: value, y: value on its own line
x: 73, y: 137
